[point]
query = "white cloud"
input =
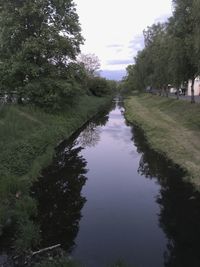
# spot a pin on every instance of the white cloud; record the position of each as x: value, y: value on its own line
x: 120, y: 62
x: 109, y: 26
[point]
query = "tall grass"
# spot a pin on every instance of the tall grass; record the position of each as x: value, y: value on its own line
x: 64, y: 262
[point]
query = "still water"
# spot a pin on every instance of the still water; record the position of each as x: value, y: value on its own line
x: 107, y: 197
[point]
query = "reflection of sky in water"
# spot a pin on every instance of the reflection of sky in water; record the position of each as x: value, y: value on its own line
x: 120, y: 216
x: 117, y: 131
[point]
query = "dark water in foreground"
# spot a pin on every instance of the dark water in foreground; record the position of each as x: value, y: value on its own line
x: 107, y: 196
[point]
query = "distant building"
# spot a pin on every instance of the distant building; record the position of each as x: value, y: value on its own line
x: 196, y: 87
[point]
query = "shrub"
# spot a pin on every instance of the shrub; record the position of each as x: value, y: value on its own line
x: 99, y: 86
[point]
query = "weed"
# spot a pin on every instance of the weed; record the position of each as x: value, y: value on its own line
x: 62, y: 262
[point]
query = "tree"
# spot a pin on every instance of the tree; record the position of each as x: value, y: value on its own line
x: 184, y: 31
x: 99, y: 86
x: 157, y: 45
x: 196, y: 15
x: 96, y: 85
x: 133, y: 81
x: 151, y: 64
x: 91, y: 64
x: 172, y: 50
x: 38, y: 40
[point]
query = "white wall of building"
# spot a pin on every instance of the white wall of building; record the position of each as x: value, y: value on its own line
x: 196, y: 87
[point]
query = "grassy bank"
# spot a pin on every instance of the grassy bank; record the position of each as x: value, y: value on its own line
x: 171, y: 127
x: 62, y: 262
x: 27, y: 140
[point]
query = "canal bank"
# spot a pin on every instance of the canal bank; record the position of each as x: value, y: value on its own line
x: 108, y: 196
x: 171, y: 127
x: 28, y: 138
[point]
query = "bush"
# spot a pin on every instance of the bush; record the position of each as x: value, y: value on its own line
x: 99, y: 86
x: 52, y: 94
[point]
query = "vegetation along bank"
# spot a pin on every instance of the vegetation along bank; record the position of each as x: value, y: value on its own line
x: 172, y: 128
x: 27, y: 141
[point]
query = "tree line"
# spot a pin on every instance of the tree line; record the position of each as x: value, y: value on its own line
x: 39, y: 48
x: 171, y: 55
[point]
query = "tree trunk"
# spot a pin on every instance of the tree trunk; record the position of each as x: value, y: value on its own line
x: 19, y: 100
x: 177, y: 94
x: 163, y: 91
x: 9, y: 98
x: 192, y: 91
x: 167, y: 91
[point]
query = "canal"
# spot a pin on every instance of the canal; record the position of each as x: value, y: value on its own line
x: 107, y: 197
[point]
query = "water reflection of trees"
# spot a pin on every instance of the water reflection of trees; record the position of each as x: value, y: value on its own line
x: 179, y: 203
x: 58, y: 193
x: 90, y: 136
x: 58, y: 190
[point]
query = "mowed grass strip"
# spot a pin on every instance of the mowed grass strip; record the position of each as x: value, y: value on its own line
x: 171, y: 127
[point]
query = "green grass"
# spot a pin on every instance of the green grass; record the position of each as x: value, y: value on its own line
x: 64, y: 262
x: 171, y: 127
x: 27, y: 139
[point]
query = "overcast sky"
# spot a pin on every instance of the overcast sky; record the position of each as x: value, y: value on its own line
x: 113, y: 29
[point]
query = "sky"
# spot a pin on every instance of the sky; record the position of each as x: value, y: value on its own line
x: 113, y: 30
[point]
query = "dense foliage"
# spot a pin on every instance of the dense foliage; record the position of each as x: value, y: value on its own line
x: 171, y: 52
x: 92, y: 82
x: 40, y: 41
